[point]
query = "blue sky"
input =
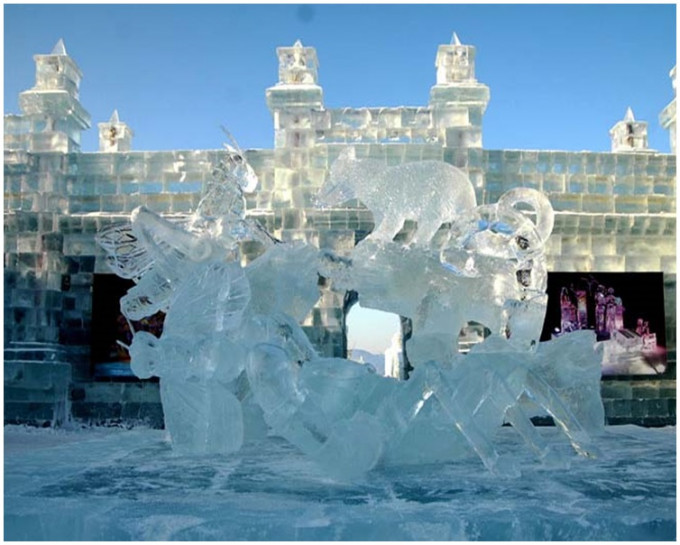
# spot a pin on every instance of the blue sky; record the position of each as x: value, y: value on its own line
x: 560, y: 75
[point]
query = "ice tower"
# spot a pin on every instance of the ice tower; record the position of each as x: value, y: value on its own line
x: 294, y: 98
x: 667, y: 116
x: 629, y: 134
x: 52, y: 114
x: 458, y: 100
x: 115, y: 135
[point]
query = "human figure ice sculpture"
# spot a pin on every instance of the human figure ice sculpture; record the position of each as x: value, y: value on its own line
x: 192, y: 273
x: 430, y: 192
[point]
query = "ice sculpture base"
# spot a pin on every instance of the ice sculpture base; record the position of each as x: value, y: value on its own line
x: 115, y: 484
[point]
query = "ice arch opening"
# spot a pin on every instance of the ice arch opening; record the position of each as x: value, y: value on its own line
x: 372, y: 336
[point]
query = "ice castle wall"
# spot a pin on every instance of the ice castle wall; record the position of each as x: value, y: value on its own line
x: 614, y: 211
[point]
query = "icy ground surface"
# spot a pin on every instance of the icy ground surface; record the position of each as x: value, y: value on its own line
x: 117, y: 484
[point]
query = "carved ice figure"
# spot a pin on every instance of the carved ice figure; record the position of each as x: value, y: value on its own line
x: 221, y: 210
x: 572, y: 365
x: 501, y: 242
x: 491, y: 270
x: 285, y: 280
x: 349, y: 420
x: 430, y: 192
x: 190, y: 270
x: 485, y: 387
x: 211, y: 324
x: 198, y: 360
x: 317, y: 407
x: 158, y: 254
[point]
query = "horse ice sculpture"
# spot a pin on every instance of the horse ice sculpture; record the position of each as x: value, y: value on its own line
x: 232, y: 333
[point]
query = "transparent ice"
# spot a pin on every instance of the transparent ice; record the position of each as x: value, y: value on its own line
x: 232, y: 339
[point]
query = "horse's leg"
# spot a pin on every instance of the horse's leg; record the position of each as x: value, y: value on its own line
x: 547, y: 398
x: 521, y: 423
x: 462, y: 417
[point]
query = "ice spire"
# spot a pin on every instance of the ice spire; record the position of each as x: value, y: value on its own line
x: 59, y: 48
x: 455, y: 40
x: 114, y: 118
x: 629, y: 134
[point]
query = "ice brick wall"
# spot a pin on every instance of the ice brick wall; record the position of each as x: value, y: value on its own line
x: 453, y: 125
x: 615, y: 212
x: 165, y: 181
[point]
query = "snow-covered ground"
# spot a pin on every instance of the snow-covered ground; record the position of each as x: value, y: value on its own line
x: 116, y: 484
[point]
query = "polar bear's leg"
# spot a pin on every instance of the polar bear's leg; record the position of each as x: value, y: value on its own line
x: 386, y: 227
x: 426, y: 230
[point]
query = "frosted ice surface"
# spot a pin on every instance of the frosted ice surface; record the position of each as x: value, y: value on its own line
x: 232, y: 335
x: 430, y: 192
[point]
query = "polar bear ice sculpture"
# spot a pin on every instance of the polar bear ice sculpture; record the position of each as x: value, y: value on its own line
x: 232, y: 332
x: 430, y: 192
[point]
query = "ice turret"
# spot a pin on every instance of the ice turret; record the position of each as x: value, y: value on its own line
x: 667, y: 116
x: 115, y: 135
x: 296, y: 95
x: 455, y: 62
x: 52, y: 114
x: 458, y: 100
x: 629, y: 134
x: 297, y: 64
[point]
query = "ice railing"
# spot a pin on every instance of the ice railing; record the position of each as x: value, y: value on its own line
x: 232, y: 352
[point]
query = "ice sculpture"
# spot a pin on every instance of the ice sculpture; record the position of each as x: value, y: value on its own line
x: 349, y: 419
x: 232, y: 332
x: 491, y: 270
x: 430, y: 192
x: 194, y: 270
